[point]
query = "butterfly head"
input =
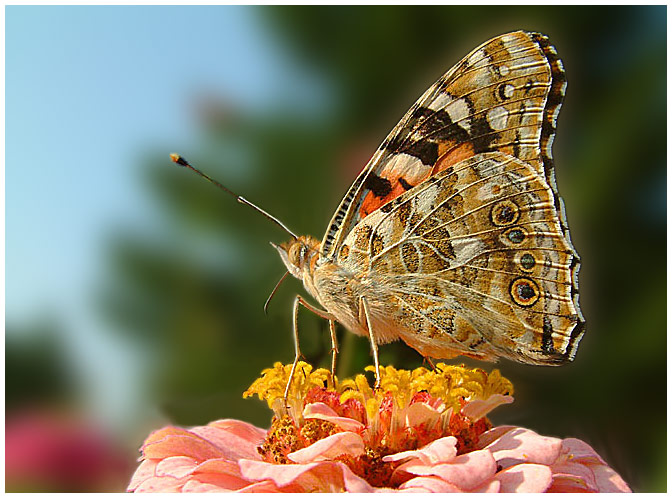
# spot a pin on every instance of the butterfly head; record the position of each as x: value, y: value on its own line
x: 297, y: 254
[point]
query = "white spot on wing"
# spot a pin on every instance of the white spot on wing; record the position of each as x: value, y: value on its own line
x: 478, y: 59
x: 457, y: 109
x: 504, y: 70
x: 508, y: 91
x: 440, y: 102
x: 497, y: 117
x: 405, y: 166
x: 426, y: 199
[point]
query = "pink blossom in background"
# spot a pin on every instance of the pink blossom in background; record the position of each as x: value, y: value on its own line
x: 336, y: 445
x: 50, y: 452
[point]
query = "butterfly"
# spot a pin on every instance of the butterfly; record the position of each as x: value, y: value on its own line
x: 453, y: 238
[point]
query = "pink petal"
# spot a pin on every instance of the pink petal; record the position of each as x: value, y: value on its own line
x: 324, y: 412
x: 493, y: 486
x: 479, y: 408
x: 177, y: 467
x: 569, y: 484
x: 232, y: 438
x: 579, y: 450
x: 333, y: 477
x: 160, y: 485
x: 281, y: 475
x: 342, y: 443
x: 493, y: 434
x: 575, y: 472
x: 525, y: 478
x: 194, y: 486
x: 144, y: 471
x: 163, y: 432
x: 429, y: 485
x: 439, y: 451
x: 189, y: 445
x: 608, y: 481
x: 524, y: 445
x: 317, y: 476
x: 261, y: 487
x: 419, y: 414
x: 221, y: 466
x: 222, y: 473
x: 466, y: 471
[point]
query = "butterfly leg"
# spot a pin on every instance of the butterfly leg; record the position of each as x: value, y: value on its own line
x: 374, y: 346
x: 334, y: 351
x: 297, y: 356
x: 429, y: 361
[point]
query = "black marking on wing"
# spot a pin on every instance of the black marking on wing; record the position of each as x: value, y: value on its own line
x: 547, y: 337
x: 404, y: 184
x: 380, y: 187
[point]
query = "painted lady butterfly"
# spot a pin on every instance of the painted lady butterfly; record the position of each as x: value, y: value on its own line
x: 453, y: 238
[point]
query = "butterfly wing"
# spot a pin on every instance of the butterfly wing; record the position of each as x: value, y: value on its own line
x: 476, y: 263
x: 457, y: 220
x: 504, y: 96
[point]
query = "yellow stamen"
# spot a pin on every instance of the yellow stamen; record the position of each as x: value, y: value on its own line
x: 451, y: 383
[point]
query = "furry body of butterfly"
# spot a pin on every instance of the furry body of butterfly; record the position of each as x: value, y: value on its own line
x: 453, y: 238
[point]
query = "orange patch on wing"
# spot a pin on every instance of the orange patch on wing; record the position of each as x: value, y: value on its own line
x: 452, y: 155
x: 372, y: 203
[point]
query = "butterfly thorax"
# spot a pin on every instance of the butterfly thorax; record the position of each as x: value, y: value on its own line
x: 339, y: 288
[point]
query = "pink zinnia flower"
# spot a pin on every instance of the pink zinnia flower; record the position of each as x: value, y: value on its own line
x: 49, y: 450
x: 422, y: 431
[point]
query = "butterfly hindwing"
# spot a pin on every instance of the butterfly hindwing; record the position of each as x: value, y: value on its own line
x: 477, y: 262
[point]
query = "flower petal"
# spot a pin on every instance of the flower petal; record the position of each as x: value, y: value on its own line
x: 492, y: 435
x: 342, y: 443
x: 608, y: 481
x: 163, y: 432
x: 525, y: 478
x: 479, y: 408
x: 493, y: 486
x: 523, y: 445
x: 177, y: 467
x: 574, y: 472
x: 160, y: 485
x: 261, y: 487
x: 222, y: 473
x: 579, y: 450
x: 324, y: 412
x: 440, y: 451
x: 233, y: 438
x: 466, y: 471
x: 181, y: 445
x: 282, y: 475
x: 316, y: 476
x: 419, y: 414
x: 429, y: 485
x: 144, y: 471
x: 194, y: 486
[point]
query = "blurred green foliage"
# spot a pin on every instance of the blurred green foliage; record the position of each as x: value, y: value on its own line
x: 192, y: 292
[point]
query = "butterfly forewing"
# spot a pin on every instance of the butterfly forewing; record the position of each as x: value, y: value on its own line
x: 496, y: 98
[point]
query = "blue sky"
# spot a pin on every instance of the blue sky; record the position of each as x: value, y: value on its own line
x: 90, y: 92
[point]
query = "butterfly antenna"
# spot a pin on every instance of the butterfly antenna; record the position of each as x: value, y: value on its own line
x: 282, y: 279
x: 178, y: 159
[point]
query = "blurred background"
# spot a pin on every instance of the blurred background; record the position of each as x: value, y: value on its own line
x: 134, y: 289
